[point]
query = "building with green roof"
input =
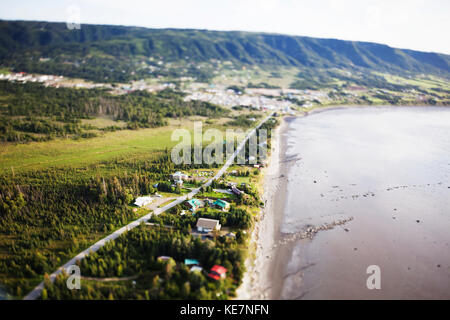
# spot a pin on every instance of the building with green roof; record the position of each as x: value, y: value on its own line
x: 222, y: 204
x: 194, y: 204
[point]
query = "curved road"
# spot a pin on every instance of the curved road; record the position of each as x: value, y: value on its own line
x: 36, y: 292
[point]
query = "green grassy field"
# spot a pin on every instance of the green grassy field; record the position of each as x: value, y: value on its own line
x: 280, y: 77
x: 65, y: 152
x: 429, y: 81
x: 78, y: 153
x: 103, y: 122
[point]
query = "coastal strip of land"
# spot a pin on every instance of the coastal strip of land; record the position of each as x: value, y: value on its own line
x: 259, y: 281
x: 36, y: 292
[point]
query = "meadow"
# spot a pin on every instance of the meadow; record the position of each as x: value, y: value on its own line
x: 83, y: 152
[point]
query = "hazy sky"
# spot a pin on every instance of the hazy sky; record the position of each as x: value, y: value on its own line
x: 413, y: 24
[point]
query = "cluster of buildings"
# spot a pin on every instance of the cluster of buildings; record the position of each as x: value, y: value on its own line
x: 195, y: 204
x: 258, y: 98
x: 217, y: 272
x: 230, y: 98
x: 51, y: 80
x: 141, y: 85
x: 204, y: 225
x: 26, y: 77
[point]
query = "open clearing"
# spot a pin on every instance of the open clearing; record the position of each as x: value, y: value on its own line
x: 77, y: 153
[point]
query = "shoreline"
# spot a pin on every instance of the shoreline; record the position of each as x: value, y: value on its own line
x: 263, y: 278
x: 262, y: 265
x: 258, y: 279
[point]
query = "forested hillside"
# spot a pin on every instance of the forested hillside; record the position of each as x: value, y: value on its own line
x: 117, y: 53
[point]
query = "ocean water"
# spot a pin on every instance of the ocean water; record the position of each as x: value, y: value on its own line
x: 388, y: 168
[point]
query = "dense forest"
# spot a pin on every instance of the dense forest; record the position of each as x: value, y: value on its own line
x: 33, y: 112
x: 135, y: 254
x: 119, y: 54
x: 47, y: 216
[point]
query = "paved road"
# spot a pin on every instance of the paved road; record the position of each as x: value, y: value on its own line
x: 36, y: 292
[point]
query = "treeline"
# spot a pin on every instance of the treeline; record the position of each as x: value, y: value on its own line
x: 136, y: 254
x: 33, y: 112
x: 89, y: 65
x: 32, y: 129
x: 246, y: 121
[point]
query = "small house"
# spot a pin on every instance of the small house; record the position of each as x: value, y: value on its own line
x: 194, y: 204
x: 191, y: 262
x: 164, y: 258
x: 196, y: 269
x: 179, y: 176
x: 207, y: 225
x: 221, y: 204
x: 218, y: 272
x: 143, y: 201
x: 236, y: 191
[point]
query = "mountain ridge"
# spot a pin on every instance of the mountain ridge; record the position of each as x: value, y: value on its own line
x: 54, y: 39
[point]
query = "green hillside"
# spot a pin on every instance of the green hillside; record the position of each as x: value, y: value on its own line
x: 118, y: 53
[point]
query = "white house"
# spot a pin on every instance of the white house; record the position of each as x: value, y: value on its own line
x: 207, y: 225
x: 178, y: 176
x: 196, y: 269
x: 143, y: 201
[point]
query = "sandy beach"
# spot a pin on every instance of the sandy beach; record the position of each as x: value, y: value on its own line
x: 258, y: 282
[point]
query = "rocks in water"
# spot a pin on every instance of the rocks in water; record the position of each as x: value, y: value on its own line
x: 310, y: 231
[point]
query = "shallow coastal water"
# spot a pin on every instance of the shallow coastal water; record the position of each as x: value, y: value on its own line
x: 388, y: 168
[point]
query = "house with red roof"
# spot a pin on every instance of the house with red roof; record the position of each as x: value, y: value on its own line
x: 218, y: 272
